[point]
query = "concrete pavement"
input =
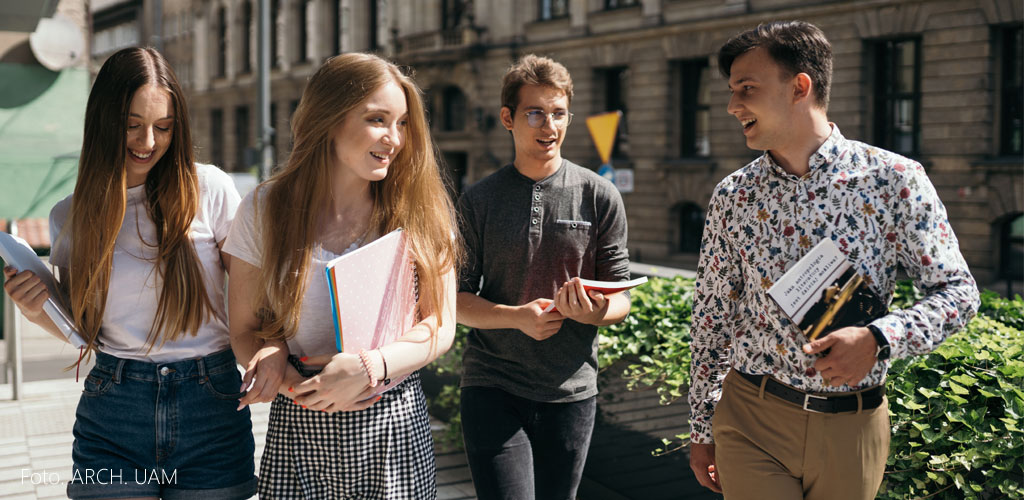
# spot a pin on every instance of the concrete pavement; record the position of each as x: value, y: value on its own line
x: 35, y: 431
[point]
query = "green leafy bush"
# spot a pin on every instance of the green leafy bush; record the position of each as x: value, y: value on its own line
x: 956, y: 413
x: 957, y: 417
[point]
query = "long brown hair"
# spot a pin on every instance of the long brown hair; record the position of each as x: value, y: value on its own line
x: 100, y: 197
x: 412, y: 195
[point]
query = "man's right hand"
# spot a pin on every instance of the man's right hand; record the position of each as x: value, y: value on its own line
x: 702, y: 461
x: 537, y: 324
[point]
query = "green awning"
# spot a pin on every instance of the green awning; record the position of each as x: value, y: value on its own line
x: 42, y: 115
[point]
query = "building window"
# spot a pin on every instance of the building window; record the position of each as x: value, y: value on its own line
x: 372, y: 45
x: 553, y: 9
x: 616, y: 4
x: 689, y: 224
x: 613, y: 84
x: 453, y: 117
x: 454, y: 172
x: 301, y: 54
x: 694, y: 99
x: 242, y: 139
x: 294, y: 105
x: 246, y: 35
x: 109, y: 40
x: 1010, y: 106
x: 217, y: 137
x: 335, y: 13
x: 897, y: 91
x: 222, y: 42
x: 275, y: 14
x: 273, y: 126
x: 451, y: 13
x: 1011, y: 250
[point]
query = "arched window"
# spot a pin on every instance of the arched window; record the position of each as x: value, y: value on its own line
x: 453, y: 118
x: 1011, y: 249
x: 688, y: 218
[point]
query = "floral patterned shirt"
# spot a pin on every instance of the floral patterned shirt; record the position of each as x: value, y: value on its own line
x: 881, y: 211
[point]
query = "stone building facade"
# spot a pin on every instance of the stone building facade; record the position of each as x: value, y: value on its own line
x: 937, y: 80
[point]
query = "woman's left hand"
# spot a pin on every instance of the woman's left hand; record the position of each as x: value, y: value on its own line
x: 341, y: 386
x: 267, y: 367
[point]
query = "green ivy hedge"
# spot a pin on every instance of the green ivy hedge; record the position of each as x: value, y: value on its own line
x: 956, y: 413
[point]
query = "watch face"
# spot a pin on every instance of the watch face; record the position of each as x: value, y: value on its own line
x: 883, y: 353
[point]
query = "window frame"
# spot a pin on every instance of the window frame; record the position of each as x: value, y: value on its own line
x: 619, y: 4
x: 451, y: 121
x: 686, y: 89
x: 605, y: 84
x: 546, y: 10
x: 221, y: 59
x: 243, y: 136
x: 216, y: 145
x: 246, y: 23
x: 884, y: 94
x: 1008, y: 90
x: 680, y: 216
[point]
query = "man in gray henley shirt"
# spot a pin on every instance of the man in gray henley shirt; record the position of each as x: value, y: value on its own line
x: 532, y: 229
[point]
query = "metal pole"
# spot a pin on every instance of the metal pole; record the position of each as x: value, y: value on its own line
x: 12, y: 334
x: 266, y: 131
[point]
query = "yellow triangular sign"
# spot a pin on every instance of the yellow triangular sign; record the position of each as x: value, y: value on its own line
x: 602, y: 130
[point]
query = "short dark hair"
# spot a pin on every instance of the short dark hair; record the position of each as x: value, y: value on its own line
x: 797, y: 46
x: 534, y: 70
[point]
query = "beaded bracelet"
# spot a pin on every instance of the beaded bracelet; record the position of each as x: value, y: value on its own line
x: 386, y: 380
x: 365, y: 359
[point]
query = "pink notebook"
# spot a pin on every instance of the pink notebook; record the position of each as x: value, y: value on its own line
x: 373, y: 296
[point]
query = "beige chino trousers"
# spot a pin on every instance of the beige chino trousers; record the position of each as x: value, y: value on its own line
x: 768, y: 448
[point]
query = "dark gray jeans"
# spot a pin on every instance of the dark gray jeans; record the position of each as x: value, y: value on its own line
x: 523, y: 449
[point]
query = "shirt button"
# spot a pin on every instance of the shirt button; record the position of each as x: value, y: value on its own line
x: 536, y: 209
x: 536, y: 188
x: 165, y: 370
x: 536, y: 197
x: 535, y: 222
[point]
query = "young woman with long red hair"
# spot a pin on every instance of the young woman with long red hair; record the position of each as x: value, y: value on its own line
x: 138, y: 251
x: 363, y: 164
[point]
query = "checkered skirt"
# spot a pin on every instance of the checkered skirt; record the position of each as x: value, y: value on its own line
x: 383, y: 452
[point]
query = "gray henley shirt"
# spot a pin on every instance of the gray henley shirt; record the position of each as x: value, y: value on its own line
x: 524, y: 239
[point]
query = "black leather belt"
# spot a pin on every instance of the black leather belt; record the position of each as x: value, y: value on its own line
x: 870, y: 398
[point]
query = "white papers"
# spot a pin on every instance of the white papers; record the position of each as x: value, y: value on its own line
x: 19, y: 255
x: 801, y: 286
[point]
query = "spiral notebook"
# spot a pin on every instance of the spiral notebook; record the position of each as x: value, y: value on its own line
x: 373, y: 295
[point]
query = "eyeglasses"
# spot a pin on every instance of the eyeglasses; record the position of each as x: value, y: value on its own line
x: 536, y: 118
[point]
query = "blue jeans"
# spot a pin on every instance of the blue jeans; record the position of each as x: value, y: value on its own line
x: 523, y: 449
x: 165, y: 430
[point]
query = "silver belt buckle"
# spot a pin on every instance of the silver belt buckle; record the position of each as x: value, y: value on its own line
x: 807, y: 399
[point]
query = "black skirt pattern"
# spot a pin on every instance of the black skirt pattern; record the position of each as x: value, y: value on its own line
x: 383, y: 452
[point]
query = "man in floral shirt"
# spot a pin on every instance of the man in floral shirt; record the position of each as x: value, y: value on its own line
x: 794, y: 419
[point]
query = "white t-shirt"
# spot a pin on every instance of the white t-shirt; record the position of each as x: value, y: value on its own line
x: 316, y: 327
x: 134, y: 290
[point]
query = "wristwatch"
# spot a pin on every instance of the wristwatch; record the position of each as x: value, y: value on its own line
x: 883, y: 351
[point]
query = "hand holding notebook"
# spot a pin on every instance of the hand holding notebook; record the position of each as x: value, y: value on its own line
x: 605, y: 287
x: 822, y: 292
x: 373, y: 296
x: 16, y: 253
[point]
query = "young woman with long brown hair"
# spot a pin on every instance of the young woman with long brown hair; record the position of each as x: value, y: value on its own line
x: 137, y: 248
x: 363, y: 165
